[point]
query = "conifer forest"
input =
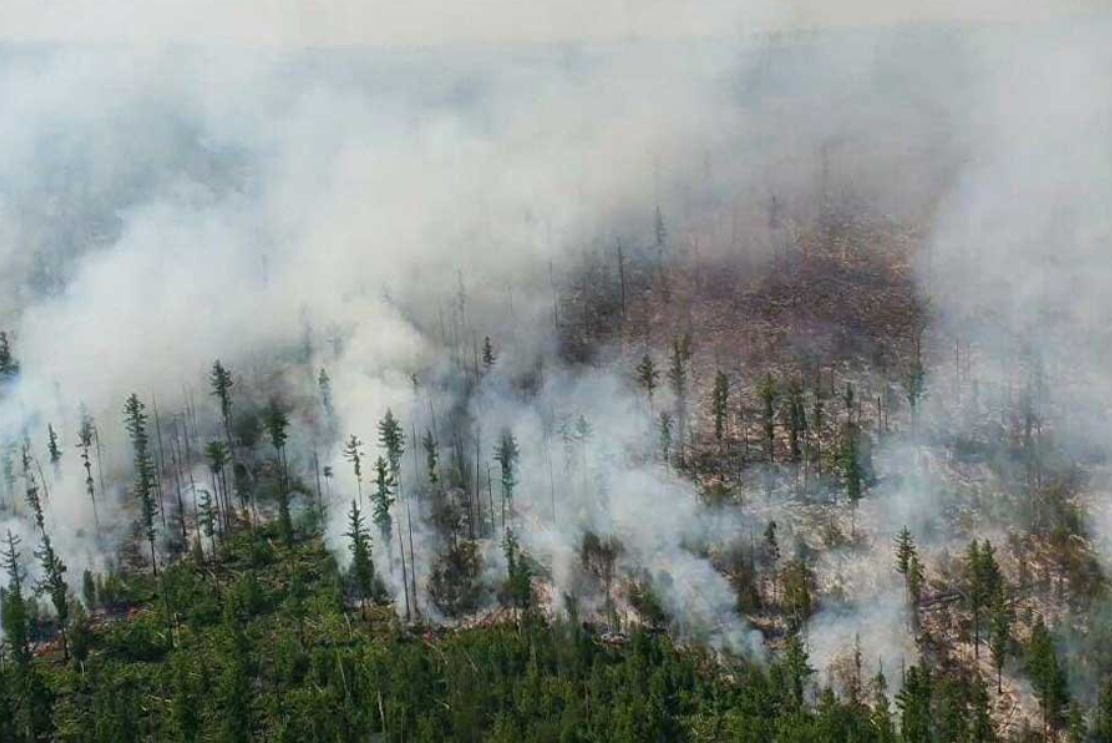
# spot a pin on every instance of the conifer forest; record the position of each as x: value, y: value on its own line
x: 584, y: 372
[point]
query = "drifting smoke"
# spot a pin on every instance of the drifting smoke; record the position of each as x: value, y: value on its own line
x: 287, y: 208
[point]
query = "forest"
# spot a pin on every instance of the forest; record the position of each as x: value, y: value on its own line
x: 650, y: 386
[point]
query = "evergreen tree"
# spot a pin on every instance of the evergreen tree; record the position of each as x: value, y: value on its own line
x: 85, y: 436
x: 9, y: 365
x: 981, y: 729
x: 507, y: 455
x: 798, y: 668
x: 677, y: 377
x: 53, y: 584
x: 1048, y: 678
x: 362, y: 569
x: 392, y: 439
x: 432, y: 460
x: 324, y: 383
x: 217, y: 454
x: 797, y: 420
x: 144, y: 487
x: 489, y: 356
x: 914, y: 702
x: 975, y: 591
x: 1000, y: 629
x: 277, y: 422
x: 353, y: 452
x: 719, y: 402
x: 665, y: 436
x: 221, y: 383
x: 905, y: 551
x: 383, y: 500
x: 648, y: 378
x: 519, y: 578
x: 851, y: 468
x: 207, y: 517
x: 53, y: 449
x: 882, y: 712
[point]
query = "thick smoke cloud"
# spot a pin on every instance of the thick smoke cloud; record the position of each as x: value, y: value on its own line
x: 164, y: 203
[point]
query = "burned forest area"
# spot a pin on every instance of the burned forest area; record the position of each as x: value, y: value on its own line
x: 518, y: 381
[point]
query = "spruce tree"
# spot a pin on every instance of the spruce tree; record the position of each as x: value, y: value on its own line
x: 914, y: 701
x: 53, y: 584
x: 648, y: 378
x: 144, y: 486
x: 432, y: 460
x: 507, y: 455
x: 383, y: 500
x: 362, y: 569
x: 85, y: 436
x: 353, y: 452
x: 489, y: 356
x: 1000, y: 629
x: 221, y: 383
x: 53, y: 449
x: 677, y: 378
x: 719, y: 403
x: 277, y: 422
x: 1047, y: 675
x: 798, y: 668
x: 665, y: 437
x: 9, y: 365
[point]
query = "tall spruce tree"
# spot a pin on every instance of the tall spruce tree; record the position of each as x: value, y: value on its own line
x: 135, y: 418
x: 507, y: 455
x: 220, y: 384
x: 362, y: 569
x: 719, y: 403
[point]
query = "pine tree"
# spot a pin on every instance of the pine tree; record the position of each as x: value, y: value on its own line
x: 353, y: 452
x: 851, y: 468
x: 797, y: 420
x: 881, y: 716
x: 914, y: 702
x: 277, y: 421
x: 207, y: 517
x: 85, y: 436
x: 489, y: 357
x: 53, y: 449
x: 362, y: 569
x: 665, y: 437
x: 144, y: 487
x: 507, y: 455
x: 798, y: 668
x: 392, y: 439
x: 1047, y: 676
x: 905, y: 551
x: 324, y: 383
x: 660, y: 233
x: 217, y: 454
x: 53, y: 583
x: 221, y: 383
x: 981, y: 729
x: 719, y: 402
x: 383, y: 500
x: 432, y: 460
x: 677, y: 377
x: 1000, y: 629
x: 648, y: 378
x: 9, y: 365
x: 519, y: 577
